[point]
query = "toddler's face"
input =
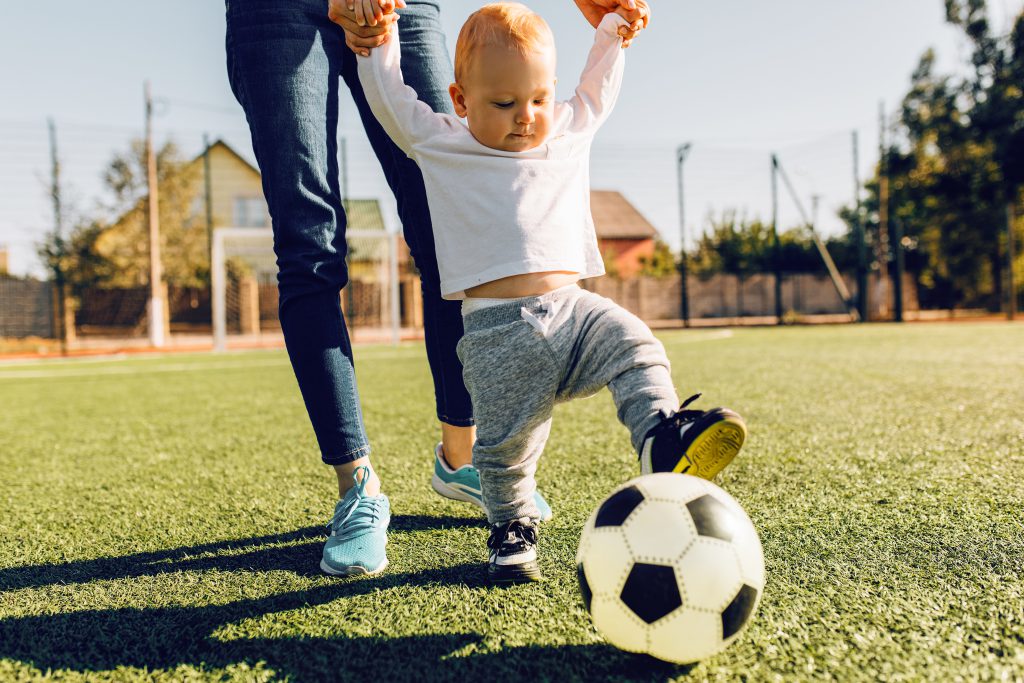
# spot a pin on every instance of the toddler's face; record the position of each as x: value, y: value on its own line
x: 508, y: 98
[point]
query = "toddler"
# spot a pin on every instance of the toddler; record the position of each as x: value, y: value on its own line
x: 509, y: 198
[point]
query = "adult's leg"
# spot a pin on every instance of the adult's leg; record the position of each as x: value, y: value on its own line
x: 284, y: 66
x: 426, y: 67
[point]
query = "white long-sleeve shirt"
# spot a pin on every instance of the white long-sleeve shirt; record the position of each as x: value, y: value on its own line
x: 496, y: 214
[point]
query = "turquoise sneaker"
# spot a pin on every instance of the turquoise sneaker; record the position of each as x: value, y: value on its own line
x: 358, y: 531
x: 464, y: 484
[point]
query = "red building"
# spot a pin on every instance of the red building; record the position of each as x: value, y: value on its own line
x: 623, y: 234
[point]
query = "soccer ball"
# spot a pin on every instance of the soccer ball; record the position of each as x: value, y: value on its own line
x: 670, y: 565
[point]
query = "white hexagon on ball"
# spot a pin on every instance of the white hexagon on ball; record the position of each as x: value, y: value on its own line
x: 607, y: 560
x: 622, y: 628
x: 665, y: 486
x: 750, y: 556
x: 686, y: 636
x: 704, y: 589
x: 659, y: 530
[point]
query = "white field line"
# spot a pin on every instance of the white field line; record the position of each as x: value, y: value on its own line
x: 139, y: 369
x: 706, y: 336
x: 63, y: 370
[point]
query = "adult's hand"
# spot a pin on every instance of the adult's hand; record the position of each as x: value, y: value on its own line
x: 636, y: 12
x: 360, y: 35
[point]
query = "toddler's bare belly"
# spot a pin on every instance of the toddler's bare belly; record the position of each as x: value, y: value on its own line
x: 527, y: 284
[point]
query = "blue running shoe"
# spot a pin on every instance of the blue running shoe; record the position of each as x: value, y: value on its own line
x: 464, y: 484
x: 358, y: 531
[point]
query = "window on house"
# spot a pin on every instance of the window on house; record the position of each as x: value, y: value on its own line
x: 251, y: 212
x: 197, y: 211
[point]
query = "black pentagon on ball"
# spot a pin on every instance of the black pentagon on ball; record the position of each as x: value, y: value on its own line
x: 615, y: 510
x: 736, y: 614
x: 712, y: 518
x: 585, y: 591
x: 651, y: 591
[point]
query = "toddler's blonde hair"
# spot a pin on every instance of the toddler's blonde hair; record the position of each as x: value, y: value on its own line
x: 501, y: 23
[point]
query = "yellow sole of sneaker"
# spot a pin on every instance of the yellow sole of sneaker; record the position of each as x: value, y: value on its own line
x: 714, y: 449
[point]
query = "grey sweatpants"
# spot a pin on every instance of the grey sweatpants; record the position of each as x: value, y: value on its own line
x: 522, y: 357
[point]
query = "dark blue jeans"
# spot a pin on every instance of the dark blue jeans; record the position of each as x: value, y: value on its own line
x: 285, y: 61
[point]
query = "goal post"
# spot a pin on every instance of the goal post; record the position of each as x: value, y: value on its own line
x: 373, y: 268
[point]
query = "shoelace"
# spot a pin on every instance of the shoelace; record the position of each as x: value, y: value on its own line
x: 682, y: 416
x: 516, y: 528
x: 361, y: 513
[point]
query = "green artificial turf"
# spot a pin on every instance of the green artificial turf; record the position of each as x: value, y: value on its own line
x: 161, y: 518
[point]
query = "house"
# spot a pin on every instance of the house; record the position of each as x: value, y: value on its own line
x: 234, y: 193
x: 624, y: 236
x: 236, y: 197
x: 236, y: 190
x: 4, y: 264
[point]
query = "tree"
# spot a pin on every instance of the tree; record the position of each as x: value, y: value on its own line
x: 661, y: 263
x: 110, y: 246
x: 956, y: 162
x: 743, y: 247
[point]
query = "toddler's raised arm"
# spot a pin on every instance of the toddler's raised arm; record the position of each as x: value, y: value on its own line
x: 601, y: 79
x: 398, y: 109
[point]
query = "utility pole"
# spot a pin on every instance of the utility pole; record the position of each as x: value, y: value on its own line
x: 897, y: 280
x: 858, y: 230
x: 776, y: 247
x: 156, y: 295
x: 882, y: 249
x: 684, y: 271
x: 208, y: 192
x: 1011, y: 309
x: 58, y: 240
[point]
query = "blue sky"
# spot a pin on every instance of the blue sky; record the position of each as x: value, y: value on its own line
x: 737, y: 78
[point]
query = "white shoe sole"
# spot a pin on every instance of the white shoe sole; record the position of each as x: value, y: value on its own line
x: 352, y: 571
x: 452, y: 493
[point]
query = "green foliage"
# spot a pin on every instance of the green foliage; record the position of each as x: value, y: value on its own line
x: 742, y: 247
x: 611, y: 268
x: 734, y: 245
x: 109, y: 247
x: 661, y: 263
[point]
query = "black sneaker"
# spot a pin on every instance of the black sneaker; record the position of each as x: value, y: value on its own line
x: 513, y: 557
x: 696, y: 442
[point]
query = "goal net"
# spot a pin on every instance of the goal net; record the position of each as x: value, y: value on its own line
x: 244, y: 285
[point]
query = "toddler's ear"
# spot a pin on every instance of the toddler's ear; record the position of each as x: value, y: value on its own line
x: 458, y: 99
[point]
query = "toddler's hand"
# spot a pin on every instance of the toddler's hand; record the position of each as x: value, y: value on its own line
x: 370, y: 12
x: 638, y: 18
x: 361, y: 37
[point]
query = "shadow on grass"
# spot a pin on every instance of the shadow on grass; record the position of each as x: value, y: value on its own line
x: 165, y: 638
x: 284, y: 551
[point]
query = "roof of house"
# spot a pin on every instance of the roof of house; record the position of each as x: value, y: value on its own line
x: 616, y: 218
x: 230, y: 149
